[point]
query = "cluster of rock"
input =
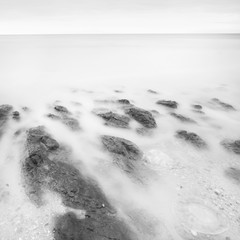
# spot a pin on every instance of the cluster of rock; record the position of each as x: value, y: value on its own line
x: 64, y: 116
x: 76, y: 190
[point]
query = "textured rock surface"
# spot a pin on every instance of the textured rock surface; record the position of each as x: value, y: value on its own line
x: 192, y: 138
x: 232, y: 145
x: 142, y: 116
x: 168, y: 103
x: 115, y: 120
x: 76, y: 190
x: 223, y: 105
x: 5, y: 111
x: 182, y: 118
x: 124, y: 152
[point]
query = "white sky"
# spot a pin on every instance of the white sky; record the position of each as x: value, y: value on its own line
x: 119, y: 16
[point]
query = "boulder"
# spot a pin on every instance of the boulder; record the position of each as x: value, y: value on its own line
x: 168, y: 103
x: 142, y: 116
x: 182, y: 118
x: 115, y: 120
x: 221, y: 104
x: 61, y: 109
x: 123, y: 101
x: 192, y: 138
x: 231, y: 145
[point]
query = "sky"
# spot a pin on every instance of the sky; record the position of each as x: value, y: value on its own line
x: 119, y: 16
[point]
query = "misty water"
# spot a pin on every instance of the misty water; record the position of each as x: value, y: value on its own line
x: 185, y: 193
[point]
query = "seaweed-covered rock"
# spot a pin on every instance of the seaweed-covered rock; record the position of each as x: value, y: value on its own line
x: 192, y: 138
x: 232, y: 145
x: 168, y: 103
x: 76, y: 190
x: 182, y: 118
x: 142, y: 116
x: 221, y: 104
x: 16, y: 115
x: 115, y: 120
x: 123, y: 101
x: 61, y: 109
x: 233, y: 173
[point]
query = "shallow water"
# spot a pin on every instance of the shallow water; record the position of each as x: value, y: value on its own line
x: 185, y: 194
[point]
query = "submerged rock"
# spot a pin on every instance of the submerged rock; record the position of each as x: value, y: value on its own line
x: 16, y: 115
x: 168, y: 103
x: 72, y: 123
x: 197, y: 106
x: 142, y: 116
x: 182, y: 118
x: 233, y: 173
x: 152, y: 91
x: 76, y: 190
x: 232, y: 145
x: 223, y: 105
x: 61, y: 109
x: 115, y: 120
x: 124, y: 152
x: 192, y: 138
x: 124, y: 101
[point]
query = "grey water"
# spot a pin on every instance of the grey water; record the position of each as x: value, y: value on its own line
x: 190, y: 197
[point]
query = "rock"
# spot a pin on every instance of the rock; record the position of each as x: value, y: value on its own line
x: 16, y: 115
x: 152, y: 91
x: 61, y: 109
x: 232, y: 145
x: 197, y: 106
x: 25, y: 109
x: 168, y: 103
x: 221, y: 104
x: 50, y: 143
x: 144, y: 131
x: 142, y: 116
x: 155, y: 113
x: 69, y: 227
x: 76, y: 190
x: 123, y: 101
x: 5, y: 111
x: 72, y: 123
x: 192, y: 138
x: 115, y: 120
x: 53, y: 116
x: 182, y: 118
x: 124, y: 152
x: 233, y: 173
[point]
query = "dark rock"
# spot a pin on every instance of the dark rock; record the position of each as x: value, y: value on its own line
x: 197, y: 106
x: 69, y: 227
x: 182, y: 118
x: 232, y: 145
x: 123, y: 101
x: 61, y: 109
x: 16, y: 115
x: 152, y: 91
x: 53, y: 116
x: 192, y: 138
x: 168, y: 103
x: 142, y: 116
x: 115, y: 120
x: 233, y: 173
x: 223, y: 105
x: 124, y: 152
x: 50, y: 143
x: 76, y: 190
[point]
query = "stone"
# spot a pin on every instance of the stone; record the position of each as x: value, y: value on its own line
x: 115, y: 120
x: 223, y: 105
x: 192, y: 138
x: 197, y: 106
x: 231, y: 145
x: 142, y: 116
x: 182, y: 118
x: 123, y: 101
x: 168, y: 103
x: 61, y: 109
